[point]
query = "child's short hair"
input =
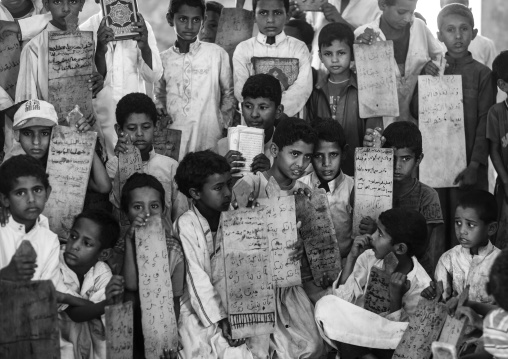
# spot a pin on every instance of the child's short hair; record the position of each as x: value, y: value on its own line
x: 447, y: 2
x: 109, y: 227
x: 195, y: 168
x: 286, y: 4
x: 455, y: 9
x: 214, y: 6
x: 174, y: 6
x: 336, y: 31
x: 21, y: 166
x: 393, y: 2
x: 483, y: 202
x: 500, y: 67
x: 404, y: 134
x: 263, y: 85
x: 291, y: 130
x: 305, y: 30
x: 406, y: 226
x: 498, y: 280
x: 139, y: 180
x: 330, y: 130
x: 135, y: 102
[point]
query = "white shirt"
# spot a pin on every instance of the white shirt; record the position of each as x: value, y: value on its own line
x: 196, y: 89
x: 295, y: 97
x: 127, y: 72
x: 466, y: 269
x: 44, y: 242
x: 483, y: 50
x: 339, y: 201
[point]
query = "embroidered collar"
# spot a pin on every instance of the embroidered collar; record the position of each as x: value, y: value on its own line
x: 278, y: 39
x: 18, y: 227
x: 332, y: 185
x: 193, y: 47
x: 482, y: 251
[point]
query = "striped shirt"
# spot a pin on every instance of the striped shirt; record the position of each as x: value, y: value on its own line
x: 495, y: 333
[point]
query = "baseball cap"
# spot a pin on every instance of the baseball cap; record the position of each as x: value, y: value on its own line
x: 35, y: 113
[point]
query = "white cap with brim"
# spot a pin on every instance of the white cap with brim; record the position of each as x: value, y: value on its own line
x: 35, y: 113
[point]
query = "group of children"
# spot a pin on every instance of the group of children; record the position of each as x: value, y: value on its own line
x: 311, y: 130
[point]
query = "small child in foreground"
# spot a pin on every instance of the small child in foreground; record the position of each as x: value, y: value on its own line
x: 341, y: 317
x: 86, y: 275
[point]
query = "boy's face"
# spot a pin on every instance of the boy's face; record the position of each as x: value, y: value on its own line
x: 83, y: 247
x: 140, y: 128
x: 59, y: 9
x: 404, y: 164
x: 400, y: 14
x: 260, y: 112
x: 326, y: 160
x: 35, y: 140
x: 456, y: 33
x: 209, y: 30
x: 187, y: 22
x: 26, y: 200
x: 470, y: 230
x: 271, y: 17
x: 381, y: 242
x: 216, y: 192
x: 144, y: 201
x: 293, y: 159
x: 336, y: 57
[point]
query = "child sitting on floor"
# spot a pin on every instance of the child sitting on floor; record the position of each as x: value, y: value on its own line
x: 343, y: 322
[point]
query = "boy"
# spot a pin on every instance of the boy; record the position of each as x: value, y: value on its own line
x: 498, y: 141
x: 136, y: 117
x: 336, y: 96
x: 413, y: 43
x: 86, y: 275
x: 456, y: 30
x: 24, y: 190
x: 343, y: 322
x: 470, y: 262
x: 205, y: 179
x: 209, y: 30
x: 196, y: 88
x: 292, y: 148
x: 261, y: 107
x: 33, y: 124
x: 271, y: 16
x: 408, y: 192
x: 143, y: 197
x: 301, y: 30
x: 127, y: 66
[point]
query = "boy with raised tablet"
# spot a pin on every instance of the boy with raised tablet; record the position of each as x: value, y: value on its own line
x: 272, y: 42
x: 343, y: 321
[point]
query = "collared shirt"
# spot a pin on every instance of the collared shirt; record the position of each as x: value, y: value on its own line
x: 295, y: 97
x: 467, y: 269
x: 339, y: 198
x: 423, y: 47
x: 44, y: 242
x: 495, y: 333
x: 354, y: 289
x: 163, y: 168
x: 196, y: 89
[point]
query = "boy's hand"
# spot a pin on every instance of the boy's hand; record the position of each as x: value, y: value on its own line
x: 399, y: 285
x: 429, y: 293
x: 114, y: 290
x: 20, y: 268
x: 4, y: 215
x: 474, y: 319
x: 260, y: 163
x: 251, y: 202
x: 331, y: 13
x: 164, y: 118
x: 303, y: 191
x: 368, y: 37
x: 85, y: 124
x: 371, y: 138
x: 121, y: 145
x: 295, y: 12
x: 233, y: 158
x: 97, y: 83
x: 169, y: 354
x: 326, y: 281
x: 138, y: 222
x: 226, y: 333
x: 104, y: 35
x: 360, y: 245
x: 367, y: 226
x: 468, y: 177
x: 140, y: 27
x: 11, y: 26
x: 431, y: 69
